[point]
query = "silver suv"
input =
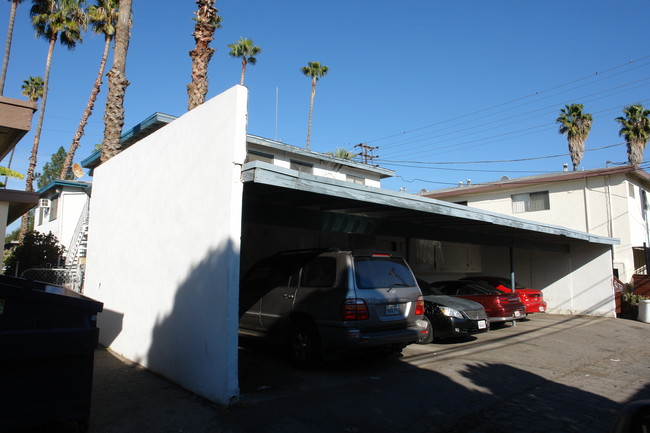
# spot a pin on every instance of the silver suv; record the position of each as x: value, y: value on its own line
x: 331, y: 301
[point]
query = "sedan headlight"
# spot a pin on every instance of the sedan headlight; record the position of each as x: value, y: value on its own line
x: 450, y: 312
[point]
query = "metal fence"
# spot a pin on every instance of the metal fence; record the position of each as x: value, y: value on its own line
x: 58, y: 276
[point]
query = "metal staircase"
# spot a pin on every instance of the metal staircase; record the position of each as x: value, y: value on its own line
x: 75, y: 259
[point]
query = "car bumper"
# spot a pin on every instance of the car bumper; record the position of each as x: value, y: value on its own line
x: 535, y: 307
x: 512, y: 315
x: 357, y: 338
x: 448, y: 327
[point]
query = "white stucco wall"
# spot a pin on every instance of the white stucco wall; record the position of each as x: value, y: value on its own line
x: 71, y: 204
x: 164, y: 244
x: 574, y: 282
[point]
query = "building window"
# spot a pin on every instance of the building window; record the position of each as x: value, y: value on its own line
x: 630, y: 188
x: 303, y: 167
x: 530, y: 202
x: 54, y: 207
x: 254, y: 155
x: 355, y: 179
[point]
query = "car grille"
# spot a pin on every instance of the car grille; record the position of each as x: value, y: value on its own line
x: 476, y: 314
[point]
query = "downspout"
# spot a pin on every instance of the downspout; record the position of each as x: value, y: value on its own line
x: 610, y: 228
x: 584, y: 192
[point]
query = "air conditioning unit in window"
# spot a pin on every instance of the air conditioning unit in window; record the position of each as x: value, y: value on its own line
x: 44, y: 202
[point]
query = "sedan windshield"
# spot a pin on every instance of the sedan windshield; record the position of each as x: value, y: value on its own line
x: 382, y: 272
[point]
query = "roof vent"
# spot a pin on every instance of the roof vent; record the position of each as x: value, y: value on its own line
x: 504, y: 178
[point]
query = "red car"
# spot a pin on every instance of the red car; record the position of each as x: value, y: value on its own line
x: 499, y: 306
x: 533, y: 299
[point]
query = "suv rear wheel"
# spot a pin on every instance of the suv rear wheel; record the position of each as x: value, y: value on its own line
x: 304, y: 344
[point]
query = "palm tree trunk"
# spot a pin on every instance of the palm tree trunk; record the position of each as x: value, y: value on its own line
x: 311, y: 109
x: 10, y: 32
x: 243, y: 70
x: 87, y: 112
x: 635, y: 150
x: 29, y: 181
x: 117, y: 83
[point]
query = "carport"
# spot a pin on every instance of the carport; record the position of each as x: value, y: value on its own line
x: 175, y: 216
x: 291, y: 209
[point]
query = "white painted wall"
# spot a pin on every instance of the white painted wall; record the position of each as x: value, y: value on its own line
x: 70, y: 207
x: 164, y: 244
x: 598, y: 205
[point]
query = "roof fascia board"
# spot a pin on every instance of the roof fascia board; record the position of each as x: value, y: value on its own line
x: 269, y: 174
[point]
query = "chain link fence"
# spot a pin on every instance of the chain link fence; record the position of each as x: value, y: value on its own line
x: 59, y: 276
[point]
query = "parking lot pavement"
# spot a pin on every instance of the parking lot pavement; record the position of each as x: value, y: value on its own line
x: 549, y: 373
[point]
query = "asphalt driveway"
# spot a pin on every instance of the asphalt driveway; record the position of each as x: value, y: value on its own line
x: 550, y: 373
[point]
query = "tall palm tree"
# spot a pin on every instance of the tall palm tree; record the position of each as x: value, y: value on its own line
x: 103, y: 17
x: 207, y: 21
x: 246, y: 49
x: 343, y: 153
x: 53, y: 20
x: 10, y: 34
x: 635, y: 127
x: 314, y: 70
x: 117, y: 84
x: 576, y: 125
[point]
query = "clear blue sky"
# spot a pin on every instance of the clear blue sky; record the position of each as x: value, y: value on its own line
x: 428, y: 82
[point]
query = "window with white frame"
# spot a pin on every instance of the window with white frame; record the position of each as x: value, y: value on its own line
x: 304, y: 167
x: 254, y: 155
x: 530, y: 202
x: 355, y: 179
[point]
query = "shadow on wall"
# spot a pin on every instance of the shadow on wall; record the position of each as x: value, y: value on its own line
x: 195, y: 344
x: 110, y: 325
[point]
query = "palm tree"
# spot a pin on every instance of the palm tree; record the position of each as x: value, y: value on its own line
x: 10, y: 33
x: 53, y: 20
x: 314, y: 70
x: 245, y: 49
x: 635, y: 127
x: 117, y: 83
x: 207, y: 21
x: 343, y: 153
x: 33, y: 89
x: 103, y: 17
x: 576, y: 125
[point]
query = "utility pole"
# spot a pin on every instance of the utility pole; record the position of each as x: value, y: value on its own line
x: 366, y: 152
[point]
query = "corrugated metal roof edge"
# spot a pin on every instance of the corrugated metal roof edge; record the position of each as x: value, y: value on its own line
x: 272, y: 174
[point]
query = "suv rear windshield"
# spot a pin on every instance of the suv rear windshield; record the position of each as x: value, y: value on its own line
x: 382, y: 272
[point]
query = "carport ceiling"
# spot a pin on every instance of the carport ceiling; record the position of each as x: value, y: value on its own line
x: 277, y: 196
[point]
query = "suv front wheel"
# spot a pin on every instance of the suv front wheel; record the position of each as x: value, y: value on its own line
x: 304, y: 344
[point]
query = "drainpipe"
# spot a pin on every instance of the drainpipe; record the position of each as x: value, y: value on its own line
x: 584, y: 192
x: 610, y: 228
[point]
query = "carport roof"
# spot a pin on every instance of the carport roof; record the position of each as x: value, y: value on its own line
x: 287, y: 197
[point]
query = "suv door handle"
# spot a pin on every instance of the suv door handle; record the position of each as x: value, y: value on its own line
x: 287, y: 296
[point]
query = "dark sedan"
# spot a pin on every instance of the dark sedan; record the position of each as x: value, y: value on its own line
x: 499, y: 306
x: 449, y: 316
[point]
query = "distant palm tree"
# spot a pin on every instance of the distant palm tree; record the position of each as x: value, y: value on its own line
x: 33, y: 89
x: 576, y: 125
x: 207, y: 21
x: 10, y: 33
x: 343, y: 153
x: 246, y: 49
x: 53, y: 20
x: 635, y: 127
x: 117, y: 84
x: 103, y: 17
x: 314, y: 70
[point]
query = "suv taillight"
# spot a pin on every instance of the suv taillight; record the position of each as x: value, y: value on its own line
x: 419, y: 306
x: 354, y: 309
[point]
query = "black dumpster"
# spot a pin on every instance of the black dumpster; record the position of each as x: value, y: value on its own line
x: 48, y: 335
